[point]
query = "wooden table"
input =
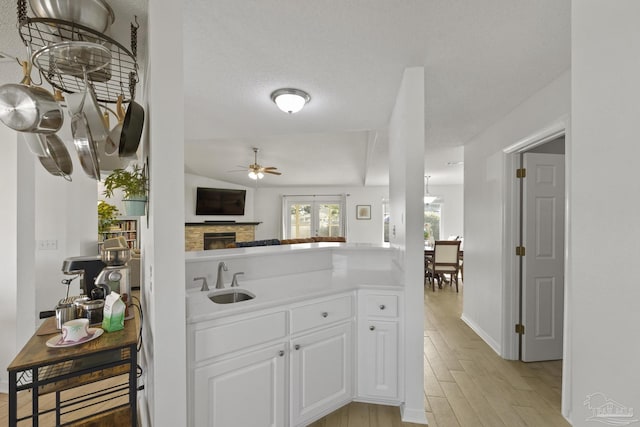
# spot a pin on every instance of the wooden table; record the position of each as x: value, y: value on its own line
x: 42, y: 370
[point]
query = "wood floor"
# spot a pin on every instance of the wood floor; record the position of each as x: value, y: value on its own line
x: 466, y: 382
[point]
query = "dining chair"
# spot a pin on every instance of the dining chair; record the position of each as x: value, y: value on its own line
x: 445, y: 261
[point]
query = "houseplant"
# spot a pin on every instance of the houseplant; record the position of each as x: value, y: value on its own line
x: 106, y: 216
x: 134, y: 184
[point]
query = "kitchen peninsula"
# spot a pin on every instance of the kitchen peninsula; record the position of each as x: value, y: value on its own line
x: 324, y: 327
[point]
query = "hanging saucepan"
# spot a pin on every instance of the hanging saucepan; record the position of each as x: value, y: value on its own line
x: 131, y: 130
x: 28, y: 108
x: 82, y: 138
x: 57, y: 161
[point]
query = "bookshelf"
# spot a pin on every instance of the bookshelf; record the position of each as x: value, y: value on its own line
x: 126, y: 227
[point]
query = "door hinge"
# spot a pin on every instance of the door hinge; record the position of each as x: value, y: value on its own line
x: 520, y: 250
x: 521, y: 173
x: 519, y: 329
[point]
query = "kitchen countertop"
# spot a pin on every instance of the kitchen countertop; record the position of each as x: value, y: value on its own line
x: 281, y: 290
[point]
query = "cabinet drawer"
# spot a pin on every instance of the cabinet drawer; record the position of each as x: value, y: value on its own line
x: 381, y: 305
x: 218, y: 340
x: 321, y: 313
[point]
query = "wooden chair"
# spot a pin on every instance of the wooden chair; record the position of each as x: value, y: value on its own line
x: 445, y: 261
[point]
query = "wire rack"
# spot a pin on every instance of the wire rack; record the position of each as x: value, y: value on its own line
x: 119, y: 77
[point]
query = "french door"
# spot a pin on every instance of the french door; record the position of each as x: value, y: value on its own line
x: 309, y: 216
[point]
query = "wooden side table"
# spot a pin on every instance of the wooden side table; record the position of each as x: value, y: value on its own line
x: 42, y: 370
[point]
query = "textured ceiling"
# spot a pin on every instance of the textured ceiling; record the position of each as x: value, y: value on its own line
x: 481, y: 57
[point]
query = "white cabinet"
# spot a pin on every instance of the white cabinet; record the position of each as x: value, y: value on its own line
x: 321, y: 372
x: 247, y: 390
x: 284, y: 367
x: 379, y: 346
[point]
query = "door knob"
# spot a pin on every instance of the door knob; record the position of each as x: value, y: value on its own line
x: 382, y: 307
x: 372, y: 328
x: 281, y: 353
x: 297, y: 346
x: 325, y: 314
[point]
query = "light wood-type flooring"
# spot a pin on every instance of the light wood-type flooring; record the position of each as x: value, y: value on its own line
x: 466, y: 382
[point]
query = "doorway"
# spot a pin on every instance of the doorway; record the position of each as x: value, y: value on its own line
x: 511, y: 232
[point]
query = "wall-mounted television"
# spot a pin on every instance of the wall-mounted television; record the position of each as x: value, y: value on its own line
x: 220, y: 201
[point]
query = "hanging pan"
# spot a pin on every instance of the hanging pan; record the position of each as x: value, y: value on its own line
x: 82, y: 138
x: 57, y: 161
x: 27, y: 108
x: 131, y: 130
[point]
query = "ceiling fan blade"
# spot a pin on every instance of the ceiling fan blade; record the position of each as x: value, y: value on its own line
x: 270, y: 167
x: 273, y: 172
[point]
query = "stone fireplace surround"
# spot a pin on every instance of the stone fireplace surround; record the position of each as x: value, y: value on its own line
x: 194, y: 232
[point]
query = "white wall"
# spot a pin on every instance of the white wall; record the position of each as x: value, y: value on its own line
x: 452, y: 208
x: 192, y: 182
x: 8, y: 252
x: 483, y: 204
x: 406, y: 177
x: 163, y: 240
x: 604, y: 316
x: 268, y: 210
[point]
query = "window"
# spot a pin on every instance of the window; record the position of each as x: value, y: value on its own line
x: 309, y: 216
x: 432, y: 222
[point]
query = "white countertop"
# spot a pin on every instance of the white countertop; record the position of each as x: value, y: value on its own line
x: 275, y: 291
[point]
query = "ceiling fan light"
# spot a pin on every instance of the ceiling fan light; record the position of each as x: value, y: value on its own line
x: 260, y: 175
x: 253, y: 175
x: 290, y: 100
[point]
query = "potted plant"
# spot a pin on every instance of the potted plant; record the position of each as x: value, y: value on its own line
x: 106, y: 216
x: 133, y: 184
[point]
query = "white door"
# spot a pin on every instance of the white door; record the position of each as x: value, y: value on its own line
x: 321, y: 366
x: 247, y: 391
x: 543, y: 264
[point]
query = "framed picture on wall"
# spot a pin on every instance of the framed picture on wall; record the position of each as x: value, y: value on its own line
x: 363, y: 211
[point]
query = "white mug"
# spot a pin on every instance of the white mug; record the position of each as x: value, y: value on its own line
x: 75, y: 330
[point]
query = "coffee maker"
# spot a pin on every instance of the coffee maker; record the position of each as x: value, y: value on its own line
x: 116, y: 273
x: 88, y: 267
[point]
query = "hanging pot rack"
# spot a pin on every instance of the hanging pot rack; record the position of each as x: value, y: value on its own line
x: 37, y: 33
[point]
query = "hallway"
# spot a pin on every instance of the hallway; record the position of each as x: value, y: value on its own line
x: 468, y: 384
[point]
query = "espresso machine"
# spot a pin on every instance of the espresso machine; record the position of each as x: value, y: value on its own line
x: 87, y: 267
x: 115, y: 273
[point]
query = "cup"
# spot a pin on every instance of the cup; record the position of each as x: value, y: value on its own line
x: 75, y: 330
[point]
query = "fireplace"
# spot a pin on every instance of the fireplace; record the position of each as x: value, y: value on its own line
x: 218, y: 240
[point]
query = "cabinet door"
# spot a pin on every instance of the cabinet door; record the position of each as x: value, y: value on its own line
x: 321, y: 372
x: 247, y: 391
x: 378, y: 359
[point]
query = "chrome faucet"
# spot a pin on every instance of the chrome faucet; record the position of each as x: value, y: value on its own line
x: 204, y: 287
x: 219, y: 281
x: 234, y: 282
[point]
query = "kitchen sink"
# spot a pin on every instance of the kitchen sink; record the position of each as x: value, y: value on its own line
x: 231, y: 296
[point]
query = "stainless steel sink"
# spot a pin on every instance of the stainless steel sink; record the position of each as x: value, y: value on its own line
x: 231, y: 296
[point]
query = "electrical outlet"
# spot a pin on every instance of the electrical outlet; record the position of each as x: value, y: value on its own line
x: 48, y: 245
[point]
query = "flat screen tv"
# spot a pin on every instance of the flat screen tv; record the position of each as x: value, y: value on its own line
x: 220, y: 201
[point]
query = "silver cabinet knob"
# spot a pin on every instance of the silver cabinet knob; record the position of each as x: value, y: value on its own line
x: 281, y: 353
x: 382, y: 307
x: 297, y: 346
x: 372, y: 328
x: 325, y: 314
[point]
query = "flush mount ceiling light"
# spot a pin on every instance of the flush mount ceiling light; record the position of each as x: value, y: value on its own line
x: 290, y: 100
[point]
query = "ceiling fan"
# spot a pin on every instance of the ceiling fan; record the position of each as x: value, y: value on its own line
x: 257, y: 171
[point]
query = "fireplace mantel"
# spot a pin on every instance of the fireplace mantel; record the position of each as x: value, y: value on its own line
x: 194, y: 232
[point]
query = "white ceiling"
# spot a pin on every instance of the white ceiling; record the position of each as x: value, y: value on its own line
x: 481, y: 57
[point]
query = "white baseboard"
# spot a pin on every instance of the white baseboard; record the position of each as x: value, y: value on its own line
x: 411, y: 415
x: 482, y: 334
